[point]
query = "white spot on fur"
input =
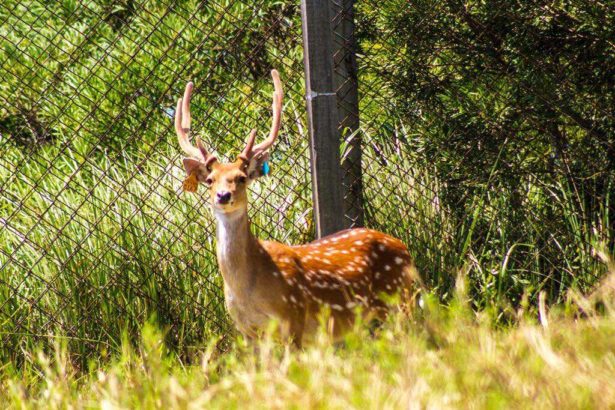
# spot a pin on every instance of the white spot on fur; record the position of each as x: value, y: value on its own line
x: 377, y: 275
x: 382, y: 247
x: 350, y: 305
x: 398, y: 260
x: 387, y: 267
x: 336, y: 307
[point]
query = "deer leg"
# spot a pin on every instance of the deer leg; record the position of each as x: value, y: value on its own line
x: 411, y: 290
x: 293, y: 326
x: 376, y: 315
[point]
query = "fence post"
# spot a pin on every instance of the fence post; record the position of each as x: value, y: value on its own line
x: 323, y: 117
x: 346, y: 85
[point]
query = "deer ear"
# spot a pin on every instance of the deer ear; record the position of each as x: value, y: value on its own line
x: 198, y: 168
x: 258, y: 165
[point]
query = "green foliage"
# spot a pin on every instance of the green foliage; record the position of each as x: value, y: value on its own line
x: 511, y: 106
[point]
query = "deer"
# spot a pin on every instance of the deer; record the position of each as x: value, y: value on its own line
x: 292, y: 284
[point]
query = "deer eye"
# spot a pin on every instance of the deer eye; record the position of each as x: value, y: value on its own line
x: 241, y: 179
x: 209, y: 181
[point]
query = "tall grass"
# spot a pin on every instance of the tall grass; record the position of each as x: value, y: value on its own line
x: 510, y: 249
x: 447, y: 357
x: 95, y: 235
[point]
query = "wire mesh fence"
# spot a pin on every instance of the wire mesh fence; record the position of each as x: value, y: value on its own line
x: 96, y: 236
x: 487, y: 137
x: 482, y: 137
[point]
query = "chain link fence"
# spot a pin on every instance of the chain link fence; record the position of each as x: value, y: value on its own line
x: 97, y: 237
x: 487, y: 140
x: 484, y: 149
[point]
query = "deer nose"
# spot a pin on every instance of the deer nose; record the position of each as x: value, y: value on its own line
x: 223, y: 197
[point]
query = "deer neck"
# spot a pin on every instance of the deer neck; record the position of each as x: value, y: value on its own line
x: 235, y: 249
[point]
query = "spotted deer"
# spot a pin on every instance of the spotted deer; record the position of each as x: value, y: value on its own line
x: 292, y: 284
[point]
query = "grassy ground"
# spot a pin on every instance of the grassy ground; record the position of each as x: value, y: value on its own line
x: 441, y: 358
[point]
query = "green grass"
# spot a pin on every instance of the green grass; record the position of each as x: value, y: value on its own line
x: 93, y: 247
x: 96, y: 237
x: 444, y: 357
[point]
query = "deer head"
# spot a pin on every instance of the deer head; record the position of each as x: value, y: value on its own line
x: 227, y: 182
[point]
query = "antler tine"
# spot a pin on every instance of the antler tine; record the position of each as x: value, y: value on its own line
x: 278, y: 96
x: 182, y: 126
x: 247, y: 151
x: 186, y: 117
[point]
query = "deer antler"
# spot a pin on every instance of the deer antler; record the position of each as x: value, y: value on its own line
x: 182, y: 127
x: 278, y: 94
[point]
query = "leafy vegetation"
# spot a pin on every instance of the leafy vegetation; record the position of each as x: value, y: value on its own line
x: 511, y: 105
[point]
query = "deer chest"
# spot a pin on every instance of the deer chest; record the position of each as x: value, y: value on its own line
x: 247, y: 316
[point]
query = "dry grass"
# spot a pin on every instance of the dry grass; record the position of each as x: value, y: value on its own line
x: 449, y: 357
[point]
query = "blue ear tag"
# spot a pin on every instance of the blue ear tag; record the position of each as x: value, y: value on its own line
x: 265, y: 169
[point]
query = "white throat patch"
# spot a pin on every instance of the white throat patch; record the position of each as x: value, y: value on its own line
x: 230, y: 233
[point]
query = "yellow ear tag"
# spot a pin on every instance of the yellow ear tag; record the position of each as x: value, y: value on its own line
x: 191, y: 183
